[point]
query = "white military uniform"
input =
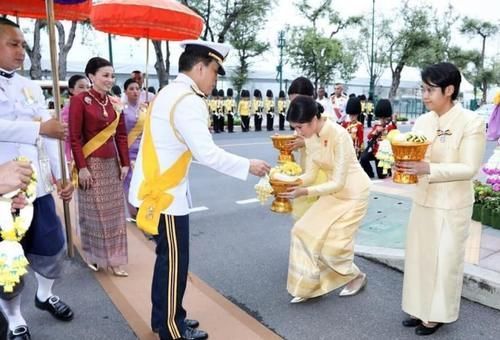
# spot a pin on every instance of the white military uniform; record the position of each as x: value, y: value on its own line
x: 340, y: 104
x: 22, y: 107
x: 327, y: 106
x: 191, y: 119
x: 435, y: 247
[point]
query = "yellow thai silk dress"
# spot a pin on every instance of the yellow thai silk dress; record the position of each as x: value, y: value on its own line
x: 322, y: 240
x: 441, y: 215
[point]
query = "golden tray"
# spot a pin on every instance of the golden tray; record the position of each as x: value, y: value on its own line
x: 407, y: 151
x: 282, y: 205
x: 280, y: 142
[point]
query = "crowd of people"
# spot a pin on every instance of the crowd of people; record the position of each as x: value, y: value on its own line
x: 131, y: 157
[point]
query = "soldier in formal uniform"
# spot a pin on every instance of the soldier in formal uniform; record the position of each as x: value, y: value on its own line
x: 174, y: 133
x: 353, y: 125
x: 212, y: 106
x: 369, y: 111
x: 27, y: 129
x: 220, y: 110
x: 383, y: 111
x: 362, y: 115
x: 257, y: 109
x: 339, y: 101
x: 244, y: 110
x: 229, y: 107
x: 282, y: 107
x: 269, y: 109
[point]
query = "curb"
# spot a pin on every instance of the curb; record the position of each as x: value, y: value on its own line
x: 480, y: 285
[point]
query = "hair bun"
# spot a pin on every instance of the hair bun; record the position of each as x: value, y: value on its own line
x: 321, y: 109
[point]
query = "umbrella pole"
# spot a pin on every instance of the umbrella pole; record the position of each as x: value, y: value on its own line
x: 57, y: 107
x: 147, y: 63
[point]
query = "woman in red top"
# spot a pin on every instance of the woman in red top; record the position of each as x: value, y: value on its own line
x: 102, y: 165
x: 354, y: 126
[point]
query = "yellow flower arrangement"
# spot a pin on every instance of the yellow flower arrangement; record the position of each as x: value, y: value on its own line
x: 13, y: 227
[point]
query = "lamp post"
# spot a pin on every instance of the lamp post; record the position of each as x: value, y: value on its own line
x: 279, y: 68
x: 110, y: 48
x: 371, y: 91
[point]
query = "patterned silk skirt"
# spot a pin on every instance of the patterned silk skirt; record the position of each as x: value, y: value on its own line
x: 322, y: 246
x: 103, y: 230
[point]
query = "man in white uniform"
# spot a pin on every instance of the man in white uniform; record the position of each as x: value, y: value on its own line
x: 339, y: 101
x: 175, y: 132
x: 27, y: 129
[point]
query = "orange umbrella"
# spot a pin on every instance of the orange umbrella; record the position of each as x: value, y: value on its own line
x: 36, y: 9
x: 153, y: 19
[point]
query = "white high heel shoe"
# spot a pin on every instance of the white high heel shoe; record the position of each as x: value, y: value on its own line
x: 298, y: 299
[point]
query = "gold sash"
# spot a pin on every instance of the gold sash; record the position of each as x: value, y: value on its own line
x: 137, y: 129
x: 153, y: 188
x: 102, y: 137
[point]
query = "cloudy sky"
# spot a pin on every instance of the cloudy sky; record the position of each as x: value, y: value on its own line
x: 128, y: 51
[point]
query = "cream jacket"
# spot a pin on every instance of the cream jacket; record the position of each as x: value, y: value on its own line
x: 332, y: 152
x: 458, y: 142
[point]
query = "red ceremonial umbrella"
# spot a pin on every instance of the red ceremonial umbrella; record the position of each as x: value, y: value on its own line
x: 36, y: 9
x: 151, y: 19
x: 62, y: 10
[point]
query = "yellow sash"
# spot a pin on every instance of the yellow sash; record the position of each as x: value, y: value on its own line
x: 102, y: 137
x: 153, y: 188
x: 137, y: 129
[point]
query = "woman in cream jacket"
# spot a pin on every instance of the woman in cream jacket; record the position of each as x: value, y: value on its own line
x: 442, y: 206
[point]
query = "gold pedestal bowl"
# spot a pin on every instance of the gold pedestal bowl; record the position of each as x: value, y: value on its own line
x: 407, y: 151
x: 282, y: 205
x: 280, y: 142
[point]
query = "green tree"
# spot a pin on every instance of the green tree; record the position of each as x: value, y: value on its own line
x: 484, y: 29
x: 405, y: 44
x: 65, y: 43
x: 237, y: 22
x: 317, y: 52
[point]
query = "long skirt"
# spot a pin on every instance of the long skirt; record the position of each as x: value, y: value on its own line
x: 434, y: 262
x: 322, y: 246
x: 103, y: 230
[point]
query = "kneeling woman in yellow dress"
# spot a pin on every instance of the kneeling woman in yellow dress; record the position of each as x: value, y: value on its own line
x: 322, y: 240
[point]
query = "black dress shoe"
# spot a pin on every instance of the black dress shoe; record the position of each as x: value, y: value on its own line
x: 411, y: 322
x: 194, y: 334
x: 20, y: 333
x: 423, y: 330
x: 56, y: 307
x: 191, y: 323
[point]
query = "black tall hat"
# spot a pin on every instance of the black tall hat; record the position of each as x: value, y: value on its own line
x: 229, y: 92
x: 362, y: 97
x: 383, y: 108
x: 282, y: 94
x: 257, y: 93
x: 245, y: 94
x: 353, y: 106
x: 221, y: 93
x: 269, y: 93
x: 215, y: 93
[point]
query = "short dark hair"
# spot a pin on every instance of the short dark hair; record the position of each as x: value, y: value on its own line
x: 95, y: 64
x: 128, y: 82
x: 152, y: 89
x: 136, y: 72
x: 443, y: 75
x: 187, y: 60
x: 7, y: 22
x: 74, y: 79
x: 301, y: 85
x: 302, y: 110
x: 116, y: 90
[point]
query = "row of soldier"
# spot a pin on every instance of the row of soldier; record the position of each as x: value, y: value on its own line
x: 224, y: 105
